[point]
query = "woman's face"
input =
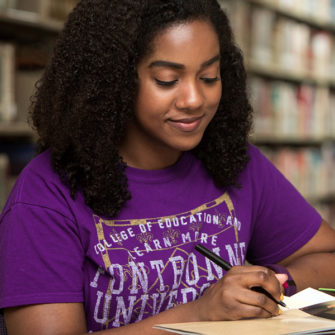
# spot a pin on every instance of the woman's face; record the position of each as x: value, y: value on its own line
x: 178, y: 95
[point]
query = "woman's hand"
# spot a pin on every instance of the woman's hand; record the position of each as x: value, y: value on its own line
x: 231, y: 298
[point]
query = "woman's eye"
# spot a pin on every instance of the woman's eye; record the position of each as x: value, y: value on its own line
x: 165, y: 83
x: 210, y: 80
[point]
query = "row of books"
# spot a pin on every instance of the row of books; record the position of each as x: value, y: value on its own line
x: 291, y: 110
x: 310, y: 170
x: 286, y: 41
x: 289, y: 44
x: 323, y: 10
x: 55, y: 9
x: 276, y: 41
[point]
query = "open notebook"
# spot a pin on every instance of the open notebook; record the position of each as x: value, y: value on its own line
x: 299, y: 318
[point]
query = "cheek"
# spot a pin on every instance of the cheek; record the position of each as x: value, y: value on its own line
x: 152, y: 101
x: 147, y: 93
x: 213, y: 99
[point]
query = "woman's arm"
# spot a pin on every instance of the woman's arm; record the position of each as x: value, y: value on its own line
x: 313, y: 265
x: 228, y: 299
x: 69, y: 319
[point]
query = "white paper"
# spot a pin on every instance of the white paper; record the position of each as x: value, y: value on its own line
x: 307, y: 297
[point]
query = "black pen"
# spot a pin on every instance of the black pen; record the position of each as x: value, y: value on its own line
x: 226, y: 266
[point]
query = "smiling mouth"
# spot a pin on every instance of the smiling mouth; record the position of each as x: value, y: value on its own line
x: 187, y: 124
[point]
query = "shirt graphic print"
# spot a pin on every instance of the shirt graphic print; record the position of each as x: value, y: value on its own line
x: 150, y: 264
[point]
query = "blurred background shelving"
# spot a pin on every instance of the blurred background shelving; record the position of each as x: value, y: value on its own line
x: 28, y: 30
x: 289, y: 52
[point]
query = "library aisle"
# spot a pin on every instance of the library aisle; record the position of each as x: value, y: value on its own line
x: 289, y: 50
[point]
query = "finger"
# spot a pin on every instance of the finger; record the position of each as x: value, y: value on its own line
x: 249, y: 268
x: 243, y: 311
x: 256, y: 276
x: 259, y: 300
x: 239, y: 305
x: 267, y: 279
x: 251, y: 312
x: 281, y: 277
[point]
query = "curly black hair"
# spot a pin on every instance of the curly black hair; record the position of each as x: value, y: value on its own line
x: 87, y: 95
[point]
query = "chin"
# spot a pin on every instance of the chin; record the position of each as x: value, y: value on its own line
x: 187, y: 146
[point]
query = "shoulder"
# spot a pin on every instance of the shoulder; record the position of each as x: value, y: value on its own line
x: 256, y: 156
x: 39, y: 185
x: 258, y: 168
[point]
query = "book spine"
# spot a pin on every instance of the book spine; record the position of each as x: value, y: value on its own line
x: 8, y: 111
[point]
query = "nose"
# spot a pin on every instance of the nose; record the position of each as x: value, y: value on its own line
x: 190, y: 96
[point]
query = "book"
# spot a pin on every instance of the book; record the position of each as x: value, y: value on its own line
x: 238, y: 13
x: 8, y: 109
x: 261, y: 39
x: 321, y: 49
x: 303, y: 316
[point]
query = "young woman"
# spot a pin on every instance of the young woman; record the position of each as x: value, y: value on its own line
x: 143, y: 125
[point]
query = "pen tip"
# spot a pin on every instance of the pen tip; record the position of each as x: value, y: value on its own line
x: 281, y: 303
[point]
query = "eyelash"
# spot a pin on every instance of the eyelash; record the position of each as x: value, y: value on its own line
x: 210, y: 80
x: 165, y: 83
x: 172, y: 82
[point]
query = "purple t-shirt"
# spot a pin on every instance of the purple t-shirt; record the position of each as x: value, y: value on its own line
x: 56, y: 249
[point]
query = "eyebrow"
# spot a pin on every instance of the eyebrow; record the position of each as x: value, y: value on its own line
x: 177, y: 66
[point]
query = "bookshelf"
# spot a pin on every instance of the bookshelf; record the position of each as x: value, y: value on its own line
x: 289, y: 51
x: 28, y: 30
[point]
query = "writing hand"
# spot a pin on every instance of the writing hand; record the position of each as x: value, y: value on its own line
x: 231, y: 298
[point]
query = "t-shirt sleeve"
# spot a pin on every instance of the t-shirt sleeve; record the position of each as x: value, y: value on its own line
x: 41, y: 257
x: 283, y: 221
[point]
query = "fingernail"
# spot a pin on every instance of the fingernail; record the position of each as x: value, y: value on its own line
x: 282, y: 297
x: 280, y: 312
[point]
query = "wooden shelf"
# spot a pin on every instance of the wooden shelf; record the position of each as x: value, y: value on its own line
x: 325, y: 198
x: 15, y: 129
x: 276, y: 72
x: 291, y: 140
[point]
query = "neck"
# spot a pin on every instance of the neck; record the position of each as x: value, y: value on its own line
x: 140, y: 155
x: 152, y: 161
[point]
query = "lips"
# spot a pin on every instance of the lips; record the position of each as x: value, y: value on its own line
x: 186, y: 124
